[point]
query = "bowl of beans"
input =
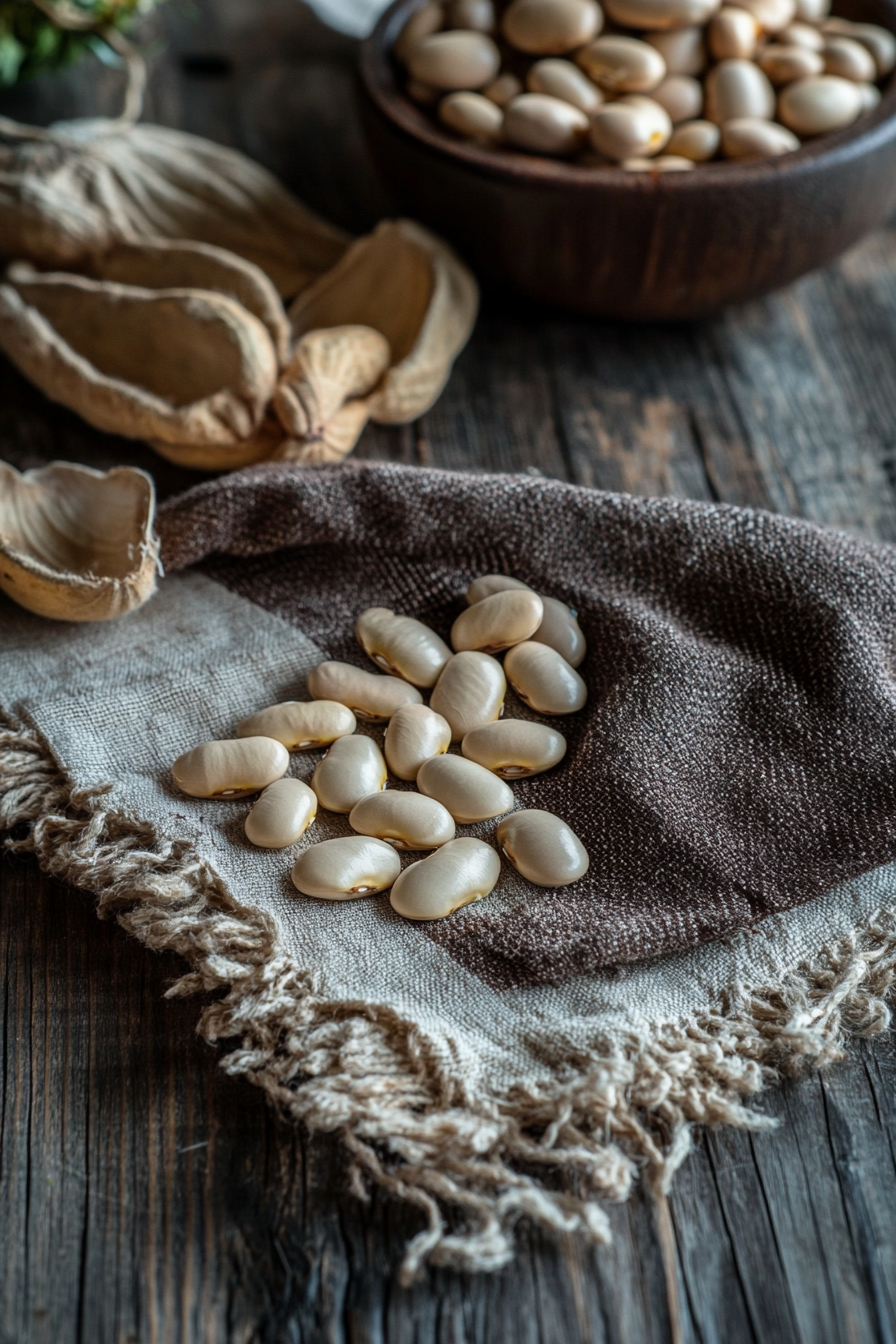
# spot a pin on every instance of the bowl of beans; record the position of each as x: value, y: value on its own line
x: 650, y: 160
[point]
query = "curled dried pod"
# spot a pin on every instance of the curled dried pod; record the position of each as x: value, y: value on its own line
x: 318, y: 395
x: 77, y: 544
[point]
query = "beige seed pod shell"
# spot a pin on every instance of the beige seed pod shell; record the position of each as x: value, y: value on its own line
x: 551, y: 27
x: 455, y: 60
x: 404, y: 820
x: 682, y: 49
x: 738, y: 88
x: 820, y: 104
x: 77, y: 544
x: 414, y: 734
x: 515, y: 748
x: 469, y: 692
x: 544, y: 680
x: 694, y: 140
x: 752, y: 138
x: 497, y: 622
x: 402, y: 646
x: 301, y: 725
x: 561, y: 79
x: 352, y: 768
x: 346, y: 868
x: 369, y: 696
x: 423, y: 23
x: 560, y: 628
x: 459, y: 873
x: 622, y: 64
x: 489, y: 584
x: 330, y: 369
x: 282, y: 814
x: 469, y: 791
x: 230, y: 768
x: 542, y: 848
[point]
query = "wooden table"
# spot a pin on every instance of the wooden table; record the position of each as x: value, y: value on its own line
x: 144, y: 1196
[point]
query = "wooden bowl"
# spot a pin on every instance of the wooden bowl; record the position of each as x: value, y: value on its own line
x: 636, y: 246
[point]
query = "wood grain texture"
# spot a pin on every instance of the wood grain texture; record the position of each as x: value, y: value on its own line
x: 145, y: 1197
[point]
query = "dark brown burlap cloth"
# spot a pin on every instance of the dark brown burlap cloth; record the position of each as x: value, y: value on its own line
x: 736, y: 756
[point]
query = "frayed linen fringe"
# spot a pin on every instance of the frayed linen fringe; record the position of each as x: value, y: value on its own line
x: 473, y: 1164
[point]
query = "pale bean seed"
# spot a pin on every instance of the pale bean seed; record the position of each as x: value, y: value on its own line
x: 342, y: 869
x: 622, y: 64
x: 282, y: 814
x: 542, y: 848
x: 497, y: 622
x: 870, y: 96
x: 422, y: 24
x: 847, y: 58
x: 682, y: 49
x: 772, y: 15
x: 802, y: 35
x: 560, y: 628
x: 469, y: 791
x: 415, y: 734
x: 230, y: 768
x: 561, y: 79
x: 551, y: 27
x: 879, y: 41
x: 477, y: 16
x: 783, y: 64
x: 469, y: 692
x: 822, y: 103
x: 663, y: 163
x: 398, y: 644
x: 404, y: 820
x: 456, y: 60
x: 489, y: 584
x: 733, y: 34
x: 737, y: 88
x: 812, y: 11
x: 660, y: 14
x: 472, y: 116
x: 502, y: 89
x: 352, y: 769
x: 621, y: 131
x: 515, y: 748
x: 459, y: 873
x: 752, y: 138
x: 544, y: 125
x: 301, y: 725
x: 681, y: 96
x: 367, y: 695
x: 543, y: 679
x: 695, y: 140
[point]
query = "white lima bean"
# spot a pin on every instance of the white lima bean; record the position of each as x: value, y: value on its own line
x: 738, y: 88
x: 822, y: 103
x: 343, y: 869
x: 502, y: 89
x: 544, y: 125
x: 847, y: 58
x: 773, y: 16
x: 352, y: 769
x: 622, y: 64
x: 414, y: 735
x: 366, y: 694
x: 879, y: 41
x: 301, y: 725
x: 473, y: 116
x: 733, y: 34
x: 489, y: 584
x: 870, y: 96
x: 752, y: 138
x: 802, y: 35
x: 660, y: 14
x: 681, y: 96
x: 497, y: 622
x: 623, y: 130
x: 282, y: 814
x: 812, y: 11
x: 422, y: 24
x: 544, y: 680
x: 695, y: 140
x: 469, y: 791
x: 783, y: 64
x: 560, y: 628
x: 405, y: 820
x: 230, y: 768
x: 469, y: 692
x: 515, y: 748
x: 477, y: 16
x: 682, y: 49
x: 400, y: 645
x: 456, y: 60
x: 551, y: 27
x: 461, y: 872
x: 542, y: 848
x: 561, y: 79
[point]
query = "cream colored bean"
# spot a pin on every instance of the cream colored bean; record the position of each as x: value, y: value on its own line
x: 343, y: 869
x: 657, y: 115
x: 367, y: 695
x: 489, y: 584
x: 352, y: 769
x: 282, y: 814
x: 695, y: 140
x: 823, y: 103
x: 469, y: 692
x: 773, y: 15
x: 622, y: 64
x: 231, y: 768
x: 472, y: 116
x: 802, y: 35
x: 404, y: 820
x: 663, y: 163
x: 738, y: 89
x: 659, y: 14
x: 461, y: 872
x: 398, y: 644
x: 469, y: 791
x: 784, y: 64
x: 681, y: 96
x: 497, y: 622
x: 515, y: 748
x: 752, y: 138
x: 422, y: 24
x: 542, y: 848
x: 551, y: 27
x: 870, y: 96
x: 477, y: 16
x: 562, y: 79
x: 544, y: 680
x: 733, y: 34
x: 455, y: 60
x: 502, y: 89
x: 879, y: 41
x: 560, y: 628
x: 847, y: 58
x: 544, y: 125
x: 682, y: 49
x: 415, y: 734
x: 301, y: 725
x: 621, y: 131
x: 812, y: 11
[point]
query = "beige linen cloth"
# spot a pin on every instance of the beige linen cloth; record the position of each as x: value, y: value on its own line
x: 732, y: 778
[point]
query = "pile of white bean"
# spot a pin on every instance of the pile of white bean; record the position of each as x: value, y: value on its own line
x: 661, y: 86
x: 543, y: 645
